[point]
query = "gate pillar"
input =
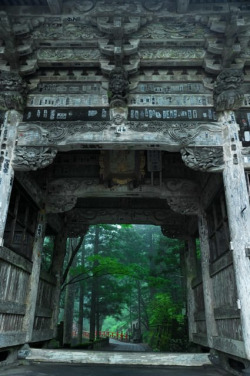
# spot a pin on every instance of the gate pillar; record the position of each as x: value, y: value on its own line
x: 191, y: 274
x: 206, y: 279
x: 238, y: 210
x: 32, y: 290
x: 8, y: 133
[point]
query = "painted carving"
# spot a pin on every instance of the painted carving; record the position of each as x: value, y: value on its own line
x: 60, y: 203
x: 172, y: 53
x: 13, y: 91
x: 185, y: 205
x: 122, y: 167
x: 203, y: 158
x: 33, y: 158
x: 64, y: 54
x: 172, y: 29
x: 227, y: 90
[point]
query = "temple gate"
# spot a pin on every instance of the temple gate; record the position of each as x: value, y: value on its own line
x: 126, y: 112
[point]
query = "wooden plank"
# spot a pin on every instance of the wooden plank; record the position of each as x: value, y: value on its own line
x: 200, y: 339
x: 42, y: 335
x: 12, y: 339
x: 221, y: 263
x: 229, y: 346
x: 43, y: 312
x: 223, y: 313
x: 14, y: 259
x: 12, y: 307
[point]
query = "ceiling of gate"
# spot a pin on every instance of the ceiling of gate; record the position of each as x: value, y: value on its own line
x: 107, y: 186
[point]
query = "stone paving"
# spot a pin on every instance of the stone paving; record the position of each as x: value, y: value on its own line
x: 107, y: 370
x: 125, y: 346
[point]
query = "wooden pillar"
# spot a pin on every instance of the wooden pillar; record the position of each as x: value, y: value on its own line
x: 32, y: 291
x: 238, y: 210
x: 57, y: 270
x: 7, y: 145
x: 206, y: 279
x: 190, y: 275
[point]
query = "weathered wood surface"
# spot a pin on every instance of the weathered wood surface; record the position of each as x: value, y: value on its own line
x: 8, y: 132
x: 207, y: 282
x: 32, y: 290
x: 238, y: 210
x: 191, y: 274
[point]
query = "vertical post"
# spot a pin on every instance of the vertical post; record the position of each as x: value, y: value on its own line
x: 57, y: 271
x: 29, y: 317
x: 7, y: 145
x: 190, y: 275
x: 206, y: 279
x: 238, y: 211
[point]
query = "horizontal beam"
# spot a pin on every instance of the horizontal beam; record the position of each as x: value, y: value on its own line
x: 12, y: 308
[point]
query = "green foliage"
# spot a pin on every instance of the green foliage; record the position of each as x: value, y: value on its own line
x: 139, y: 277
x: 47, y: 253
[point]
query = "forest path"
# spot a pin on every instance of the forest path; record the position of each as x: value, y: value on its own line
x: 125, y: 346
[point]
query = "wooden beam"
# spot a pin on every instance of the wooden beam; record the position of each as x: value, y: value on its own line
x: 182, y: 6
x: 55, y: 6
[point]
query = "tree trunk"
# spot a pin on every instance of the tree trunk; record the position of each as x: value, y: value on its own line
x: 81, y: 300
x: 94, y: 290
x: 69, y: 306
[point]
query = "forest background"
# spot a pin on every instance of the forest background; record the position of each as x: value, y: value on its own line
x: 124, y: 278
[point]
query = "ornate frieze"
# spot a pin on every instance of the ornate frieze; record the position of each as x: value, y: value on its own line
x: 203, y: 158
x: 179, y: 134
x: 184, y: 53
x: 173, y: 100
x: 170, y: 28
x: 228, y: 93
x: 32, y: 158
x: 67, y: 54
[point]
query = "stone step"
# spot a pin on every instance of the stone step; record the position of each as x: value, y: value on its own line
x: 106, y: 357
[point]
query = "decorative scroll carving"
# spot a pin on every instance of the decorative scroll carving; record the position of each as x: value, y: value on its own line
x: 227, y: 90
x: 139, y: 216
x: 203, y: 158
x: 32, y: 158
x: 184, y: 205
x: 13, y: 91
x: 60, y: 203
